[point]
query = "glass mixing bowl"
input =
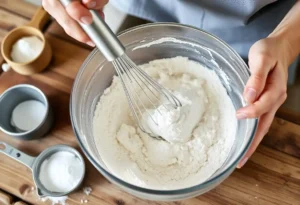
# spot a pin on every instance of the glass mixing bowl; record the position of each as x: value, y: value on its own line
x: 95, y: 75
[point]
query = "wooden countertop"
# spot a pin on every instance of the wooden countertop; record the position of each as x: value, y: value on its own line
x: 272, y: 175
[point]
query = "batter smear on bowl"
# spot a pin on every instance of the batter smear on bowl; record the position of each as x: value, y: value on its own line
x: 198, y: 136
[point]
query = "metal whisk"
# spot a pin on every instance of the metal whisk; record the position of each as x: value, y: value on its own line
x: 143, y: 92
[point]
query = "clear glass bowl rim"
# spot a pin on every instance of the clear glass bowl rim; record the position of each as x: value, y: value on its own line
x: 146, y: 190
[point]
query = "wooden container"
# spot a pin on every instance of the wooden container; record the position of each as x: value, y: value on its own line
x: 33, y: 28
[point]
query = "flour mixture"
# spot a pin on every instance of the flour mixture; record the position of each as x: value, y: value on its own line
x: 198, y: 136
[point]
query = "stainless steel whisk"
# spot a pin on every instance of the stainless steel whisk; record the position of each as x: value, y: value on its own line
x: 137, y: 83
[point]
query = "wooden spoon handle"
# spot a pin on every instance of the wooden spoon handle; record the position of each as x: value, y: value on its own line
x: 40, y: 18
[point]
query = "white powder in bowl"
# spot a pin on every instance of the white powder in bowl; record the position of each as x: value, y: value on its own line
x: 176, y: 125
x: 199, y: 136
x: 61, y: 172
x: 28, y: 115
x: 26, y: 49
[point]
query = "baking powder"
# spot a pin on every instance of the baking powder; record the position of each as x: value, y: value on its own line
x: 28, y: 115
x: 61, y: 172
x: 26, y: 49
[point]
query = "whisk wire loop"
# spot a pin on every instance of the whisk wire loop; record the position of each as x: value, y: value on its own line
x: 137, y: 83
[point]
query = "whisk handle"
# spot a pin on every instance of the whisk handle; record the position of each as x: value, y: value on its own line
x: 103, y: 37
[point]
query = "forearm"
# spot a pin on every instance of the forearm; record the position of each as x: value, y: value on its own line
x: 288, y: 32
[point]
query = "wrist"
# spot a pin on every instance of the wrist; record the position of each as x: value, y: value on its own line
x: 289, y: 43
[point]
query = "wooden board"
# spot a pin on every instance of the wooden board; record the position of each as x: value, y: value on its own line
x: 14, y: 21
x: 284, y: 136
x: 5, y: 198
x: 289, y: 114
x: 270, y: 176
x: 18, y: 7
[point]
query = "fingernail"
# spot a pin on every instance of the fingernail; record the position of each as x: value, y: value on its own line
x: 86, y: 19
x: 241, y: 116
x: 90, y: 43
x: 250, y: 95
x: 242, y: 163
x: 91, y: 5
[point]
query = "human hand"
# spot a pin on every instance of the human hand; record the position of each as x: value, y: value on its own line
x: 265, y: 91
x: 77, y: 11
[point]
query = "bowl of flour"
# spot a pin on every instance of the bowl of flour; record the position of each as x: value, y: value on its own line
x: 202, y: 143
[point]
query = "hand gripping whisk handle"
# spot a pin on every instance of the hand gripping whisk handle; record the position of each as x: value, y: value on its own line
x: 100, y: 33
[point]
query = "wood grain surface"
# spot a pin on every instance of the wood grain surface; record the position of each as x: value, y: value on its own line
x: 5, y: 198
x: 284, y: 136
x: 272, y: 175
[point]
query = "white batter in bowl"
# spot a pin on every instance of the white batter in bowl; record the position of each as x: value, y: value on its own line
x: 198, y: 137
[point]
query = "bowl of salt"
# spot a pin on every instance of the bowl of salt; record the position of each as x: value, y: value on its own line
x: 25, y: 48
x: 25, y: 112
